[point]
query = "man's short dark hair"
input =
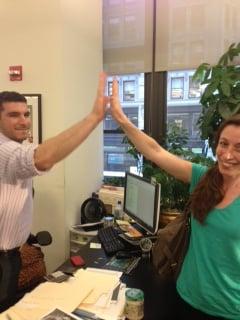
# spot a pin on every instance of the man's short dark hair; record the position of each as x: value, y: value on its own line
x: 11, y: 96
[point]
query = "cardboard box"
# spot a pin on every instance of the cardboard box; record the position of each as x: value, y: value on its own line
x: 110, y: 196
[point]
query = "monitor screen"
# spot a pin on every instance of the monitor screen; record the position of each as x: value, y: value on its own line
x: 142, y: 202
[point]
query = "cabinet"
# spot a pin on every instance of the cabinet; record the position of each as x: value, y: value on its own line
x: 79, y: 238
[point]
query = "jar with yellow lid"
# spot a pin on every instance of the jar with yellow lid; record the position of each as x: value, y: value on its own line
x: 134, y: 305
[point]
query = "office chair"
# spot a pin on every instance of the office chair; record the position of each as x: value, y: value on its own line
x: 33, y: 264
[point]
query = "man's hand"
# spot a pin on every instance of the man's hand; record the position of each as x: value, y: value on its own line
x: 57, y: 148
x: 100, y: 104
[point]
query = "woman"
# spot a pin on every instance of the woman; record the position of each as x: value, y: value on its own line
x: 209, y: 283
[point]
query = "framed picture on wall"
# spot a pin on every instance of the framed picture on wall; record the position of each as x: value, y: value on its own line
x: 34, y: 103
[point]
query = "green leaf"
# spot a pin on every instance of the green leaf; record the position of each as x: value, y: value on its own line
x: 235, y: 77
x: 231, y: 46
x: 210, y: 89
x: 223, y: 60
x: 233, y: 51
x: 226, y: 89
x: 226, y: 111
x: 230, y: 81
x: 207, y: 81
x: 236, y: 109
x: 217, y: 72
x: 199, y: 74
x: 206, y: 118
x: 207, y: 74
x: 233, y: 100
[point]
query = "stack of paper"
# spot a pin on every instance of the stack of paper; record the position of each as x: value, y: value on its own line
x: 99, y: 301
x: 47, y: 296
x: 90, y: 289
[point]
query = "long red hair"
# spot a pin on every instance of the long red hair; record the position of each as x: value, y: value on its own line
x: 209, y: 191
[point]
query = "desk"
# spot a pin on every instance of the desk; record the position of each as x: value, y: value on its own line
x: 159, y: 296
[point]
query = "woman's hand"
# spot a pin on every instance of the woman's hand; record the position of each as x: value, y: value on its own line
x: 101, y: 102
x: 116, y: 109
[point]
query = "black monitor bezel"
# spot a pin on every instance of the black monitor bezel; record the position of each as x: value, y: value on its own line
x: 150, y: 229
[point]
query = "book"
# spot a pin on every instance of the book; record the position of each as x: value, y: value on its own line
x: 58, y: 314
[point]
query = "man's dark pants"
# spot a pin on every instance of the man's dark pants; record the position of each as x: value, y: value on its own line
x: 10, y: 266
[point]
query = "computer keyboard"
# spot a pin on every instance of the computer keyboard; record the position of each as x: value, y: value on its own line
x: 109, y: 238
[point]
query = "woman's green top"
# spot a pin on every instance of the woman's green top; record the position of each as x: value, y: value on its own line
x: 210, y: 276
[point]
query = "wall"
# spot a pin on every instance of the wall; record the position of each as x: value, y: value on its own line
x: 59, y: 45
x: 84, y: 47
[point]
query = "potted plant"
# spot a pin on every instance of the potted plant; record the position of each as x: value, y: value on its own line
x: 221, y: 97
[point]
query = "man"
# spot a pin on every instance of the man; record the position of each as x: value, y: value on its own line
x: 19, y: 163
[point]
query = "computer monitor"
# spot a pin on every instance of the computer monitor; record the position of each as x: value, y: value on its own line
x: 142, y: 202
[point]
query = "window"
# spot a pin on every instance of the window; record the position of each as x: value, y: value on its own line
x: 132, y: 114
x: 115, y: 159
x: 194, y: 89
x: 177, y: 88
x: 184, y: 112
x: 181, y: 120
x: 131, y: 93
x: 129, y: 90
x: 109, y: 88
x: 109, y: 123
x: 183, y: 106
x: 195, y: 130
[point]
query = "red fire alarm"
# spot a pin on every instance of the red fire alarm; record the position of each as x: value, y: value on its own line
x: 15, y: 73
